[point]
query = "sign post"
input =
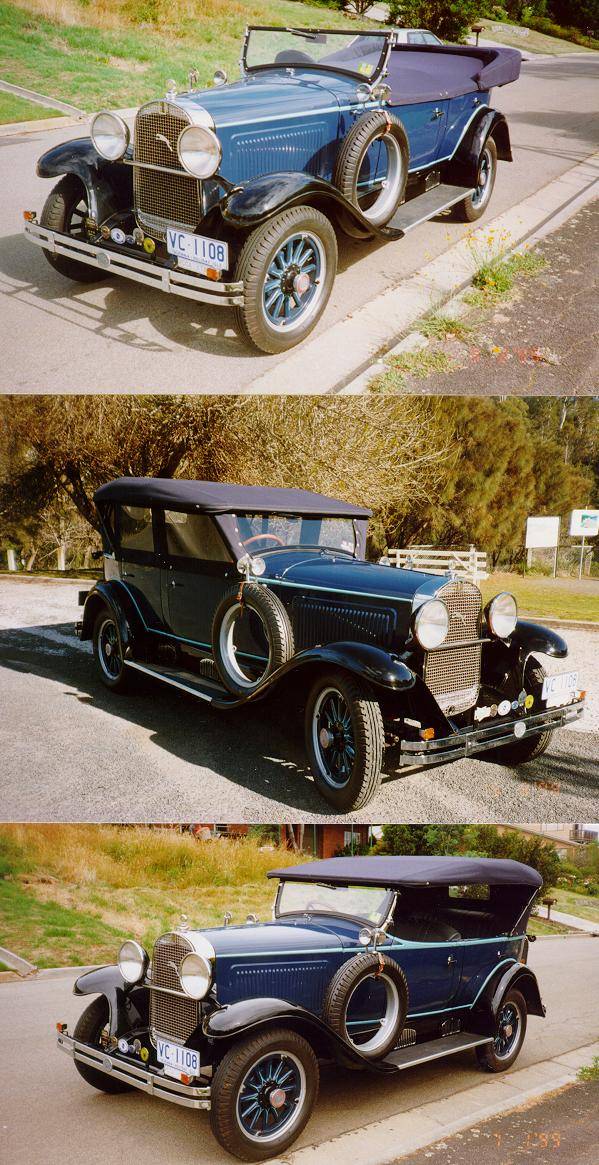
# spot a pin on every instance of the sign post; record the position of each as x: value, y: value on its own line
x: 583, y: 524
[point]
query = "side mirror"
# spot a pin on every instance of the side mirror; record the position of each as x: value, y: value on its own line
x: 532, y: 938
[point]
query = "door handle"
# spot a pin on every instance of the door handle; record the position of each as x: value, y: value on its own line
x: 437, y: 113
x: 175, y: 584
x: 128, y: 574
x: 450, y: 960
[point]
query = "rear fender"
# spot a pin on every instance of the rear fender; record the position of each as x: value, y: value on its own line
x: 462, y: 170
x: 258, y: 200
x: 109, y: 185
x: 112, y: 594
x: 127, y: 1006
x: 517, y: 975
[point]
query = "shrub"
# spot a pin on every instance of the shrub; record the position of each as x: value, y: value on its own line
x: 449, y: 19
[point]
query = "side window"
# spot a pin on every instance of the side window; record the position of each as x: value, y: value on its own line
x: 135, y: 528
x: 194, y: 536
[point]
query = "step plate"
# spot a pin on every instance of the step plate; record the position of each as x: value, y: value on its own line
x: 418, y: 210
x: 435, y: 1049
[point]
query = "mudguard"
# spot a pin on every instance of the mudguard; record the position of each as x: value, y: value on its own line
x: 462, y: 170
x: 261, y: 198
x: 109, y: 185
x: 516, y: 975
x: 370, y: 663
x: 500, y: 658
x: 113, y: 594
x: 128, y: 1006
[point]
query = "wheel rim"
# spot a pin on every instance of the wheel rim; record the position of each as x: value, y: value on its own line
x: 271, y: 1096
x: 295, y: 282
x: 385, y: 203
x: 509, y: 1024
x: 383, y: 1025
x: 244, y: 668
x: 109, y: 649
x: 333, y: 738
x: 75, y: 220
x: 483, y: 190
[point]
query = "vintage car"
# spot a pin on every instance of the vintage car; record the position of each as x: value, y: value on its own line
x: 229, y: 592
x: 376, y: 963
x: 230, y: 195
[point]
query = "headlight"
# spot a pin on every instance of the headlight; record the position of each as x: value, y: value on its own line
x: 133, y: 962
x: 502, y: 614
x: 199, y: 151
x: 195, y: 976
x: 110, y: 135
x: 431, y: 624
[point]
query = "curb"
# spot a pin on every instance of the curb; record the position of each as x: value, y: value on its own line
x: 345, y: 352
x: 570, y: 624
x: 21, y: 966
x: 41, y: 99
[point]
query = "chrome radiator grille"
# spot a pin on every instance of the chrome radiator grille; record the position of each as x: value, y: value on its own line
x: 453, y: 675
x: 321, y: 621
x: 171, y: 1015
x: 162, y: 199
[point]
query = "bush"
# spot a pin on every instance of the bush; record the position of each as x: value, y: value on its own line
x: 449, y: 19
x: 486, y: 841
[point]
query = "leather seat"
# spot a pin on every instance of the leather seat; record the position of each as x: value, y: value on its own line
x: 425, y: 928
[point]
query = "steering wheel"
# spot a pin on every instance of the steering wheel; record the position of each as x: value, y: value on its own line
x: 293, y: 57
x: 260, y: 537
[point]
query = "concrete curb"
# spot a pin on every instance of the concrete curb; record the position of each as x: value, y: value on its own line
x: 344, y: 354
x: 385, y: 1141
x: 41, y: 99
x: 16, y: 963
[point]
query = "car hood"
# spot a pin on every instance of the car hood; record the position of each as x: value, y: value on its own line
x: 294, y: 936
x: 332, y: 573
x: 266, y: 97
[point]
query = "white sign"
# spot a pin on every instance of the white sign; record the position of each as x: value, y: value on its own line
x: 541, y: 532
x: 584, y: 523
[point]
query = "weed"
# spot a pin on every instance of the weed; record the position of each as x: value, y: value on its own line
x: 439, y: 327
x: 419, y: 365
x: 590, y: 1071
x: 495, y: 279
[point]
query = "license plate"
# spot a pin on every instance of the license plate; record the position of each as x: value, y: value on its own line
x: 178, y: 1059
x: 559, y: 688
x: 196, y: 252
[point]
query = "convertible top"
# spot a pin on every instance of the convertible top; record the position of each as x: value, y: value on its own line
x: 214, y: 497
x: 412, y: 871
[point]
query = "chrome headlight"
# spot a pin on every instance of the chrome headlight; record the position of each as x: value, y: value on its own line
x: 133, y: 961
x: 110, y: 135
x: 199, y: 151
x: 196, y: 976
x: 502, y: 614
x: 431, y: 624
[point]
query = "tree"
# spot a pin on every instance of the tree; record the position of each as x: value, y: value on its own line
x: 582, y: 14
x: 487, y: 841
x: 449, y: 19
x: 421, y: 839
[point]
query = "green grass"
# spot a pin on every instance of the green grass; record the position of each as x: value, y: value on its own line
x: 17, y: 109
x: 534, y: 42
x: 582, y: 905
x: 540, y: 926
x: 590, y: 1071
x: 419, y: 365
x: 49, y: 934
x: 436, y: 326
x: 98, y: 58
x: 495, y: 279
x: 561, y: 598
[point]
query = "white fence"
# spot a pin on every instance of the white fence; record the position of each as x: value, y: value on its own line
x: 471, y: 563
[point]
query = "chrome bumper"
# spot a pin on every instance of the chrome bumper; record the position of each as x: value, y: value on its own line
x: 470, y: 741
x: 146, y: 271
x: 146, y: 1079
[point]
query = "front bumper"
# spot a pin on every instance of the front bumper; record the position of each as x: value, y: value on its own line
x: 469, y: 741
x: 148, y: 271
x: 148, y: 1080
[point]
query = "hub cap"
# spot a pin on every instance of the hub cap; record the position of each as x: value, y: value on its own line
x: 270, y: 1099
x: 294, y: 282
x: 508, y: 1031
x: 483, y: 190
x: 109, y: 650
x: 333, y: 738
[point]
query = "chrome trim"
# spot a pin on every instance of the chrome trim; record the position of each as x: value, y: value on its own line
x: 161, y: 169
x: 146, y: 1079
x: 125, y: 127
x: 448, y: 748
x: 158, y: 675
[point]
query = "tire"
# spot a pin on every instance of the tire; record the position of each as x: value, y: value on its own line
x: 373, y: 127
x: 518, y: 752
x: 228, y: 1122
x: 88, y: 1030
x: 64, y: 211
x: 268, y: 266
x: 268, y: 620
x: 488, y: 1055
x: 348, y: 979
x: 347, y: 709
x: 108, y: 652
x: 475, y: 205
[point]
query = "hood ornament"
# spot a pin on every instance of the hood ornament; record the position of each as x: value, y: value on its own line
x: 227, y: 917
x: 171, y: 90
x: 184, y: 923
x: 193, y: 78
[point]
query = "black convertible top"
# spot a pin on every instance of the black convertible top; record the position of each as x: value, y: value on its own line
x: 215, y: 497
x: 412, y: 871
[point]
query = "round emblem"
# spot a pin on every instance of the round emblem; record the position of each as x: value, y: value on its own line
x: 519, y: 729
x: 504, y: 707
x: 529, y: 701
x: 493, y: 710
x: 277, y: 1097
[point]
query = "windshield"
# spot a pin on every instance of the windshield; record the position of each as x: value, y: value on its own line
x: 361, y: 54
x: 367, y: 903
x: 262, y: 532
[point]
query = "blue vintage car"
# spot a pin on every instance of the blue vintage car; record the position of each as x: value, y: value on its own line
x: 230, y: 195
x: 231, y: 593
x: 379, y: 963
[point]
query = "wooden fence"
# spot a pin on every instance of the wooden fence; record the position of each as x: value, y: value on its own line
x: 471, y: 563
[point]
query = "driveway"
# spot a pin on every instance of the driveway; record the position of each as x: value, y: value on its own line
x: 115, y: 335
x: 73, y: 751
x: 75, y: 1123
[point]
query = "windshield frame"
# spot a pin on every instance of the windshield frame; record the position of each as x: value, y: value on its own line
x: 301, y: 518
x: 317, y: 66
x: 390, y: 898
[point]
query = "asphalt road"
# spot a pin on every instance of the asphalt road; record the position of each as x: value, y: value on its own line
x: 49, y: 1114
x: 73, y: 751
x: 116, y: 336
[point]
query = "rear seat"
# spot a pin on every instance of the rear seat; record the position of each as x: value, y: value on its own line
x: 425, y: 928
x: 473, y: 923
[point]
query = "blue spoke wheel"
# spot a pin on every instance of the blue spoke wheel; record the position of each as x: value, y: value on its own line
x: 270, y: 1096
x: 345, y: 740
x: 508, y: 1037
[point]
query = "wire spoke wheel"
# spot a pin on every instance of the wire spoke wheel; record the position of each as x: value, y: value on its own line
x: 509, y: 1022
x: 333, y: 736
x: 109, y: 649
x: 294, y: 282
x: 482, y: 192
x: 271, y: 1096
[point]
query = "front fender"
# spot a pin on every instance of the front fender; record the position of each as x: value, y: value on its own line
x: 364, y: 660
x: 109, y: 185
x: 113, y: 594
x: 529, y: 637
x: 128, y: 1006
x: 259, y: 199
x: 463, y: 167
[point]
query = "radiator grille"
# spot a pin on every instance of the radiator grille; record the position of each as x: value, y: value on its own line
x: 453, y: 675
x: 163, y: 199
x: 321, y: 621
x: 288, y: 149
x: 171, y: 1015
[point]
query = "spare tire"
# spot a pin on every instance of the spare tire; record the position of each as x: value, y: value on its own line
x: 251, y: 637
x: 351, y: 1000
x: 352, y: 167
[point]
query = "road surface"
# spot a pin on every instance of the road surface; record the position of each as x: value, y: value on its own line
x: 50, y: 1115
x: 117, y: 336
x: 73, y: 751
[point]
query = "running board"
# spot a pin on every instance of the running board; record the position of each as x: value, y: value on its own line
x: 199, y: 686
x: 435, y: 1049
x: 425, y: 206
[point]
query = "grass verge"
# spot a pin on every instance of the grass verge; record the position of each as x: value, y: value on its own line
x: 582, y: 905
x: 419, y: 365
x: 495, y: 279
x: 17, y: 109
x: 540, y: 926
x: 534, y: 41
x: 590, y: 1071
x: 561, y: 598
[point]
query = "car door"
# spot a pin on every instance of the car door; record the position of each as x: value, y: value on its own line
x: 198, y: 570
x: 433, y: 973
x: 139, y: 560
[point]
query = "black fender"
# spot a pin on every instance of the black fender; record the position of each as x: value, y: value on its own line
x: 128, y: 1006
x: 109, y: 185
x: 503, y: 657
x: 517, y: 975
x: 463, y: 167
x: 113, y: 594
x: 258, y: 200
x: 235, y: 1020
